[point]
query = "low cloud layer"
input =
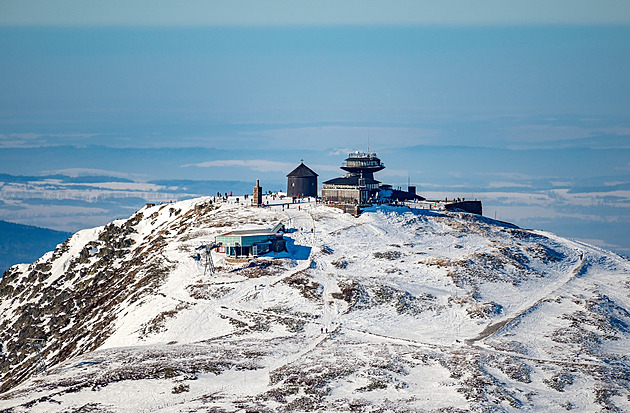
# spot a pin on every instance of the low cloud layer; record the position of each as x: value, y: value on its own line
x: 599, y: 216
x: 261, y: 165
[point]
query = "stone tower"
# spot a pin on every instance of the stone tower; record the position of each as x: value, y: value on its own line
x: 258, y: 199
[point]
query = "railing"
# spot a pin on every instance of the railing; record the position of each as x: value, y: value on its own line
x: 362, y: 155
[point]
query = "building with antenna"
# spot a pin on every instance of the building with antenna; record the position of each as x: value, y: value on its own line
x: 358, y: 186
x: 358, y: 189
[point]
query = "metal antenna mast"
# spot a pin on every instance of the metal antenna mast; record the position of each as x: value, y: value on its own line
x: 209, y: 264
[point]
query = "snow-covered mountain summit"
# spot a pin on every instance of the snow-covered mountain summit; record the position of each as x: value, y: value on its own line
x: 398, y: 309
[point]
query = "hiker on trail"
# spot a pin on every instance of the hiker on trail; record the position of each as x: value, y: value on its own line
x: 322, y: 330
x: 326, y: 330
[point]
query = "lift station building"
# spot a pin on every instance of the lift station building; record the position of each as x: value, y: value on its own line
x: 252, y: 242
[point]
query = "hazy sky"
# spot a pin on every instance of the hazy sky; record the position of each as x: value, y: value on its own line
x: 524, y: 104
x: 313, y: 13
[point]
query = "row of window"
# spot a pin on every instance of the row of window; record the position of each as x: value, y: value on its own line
x: 363, y: 163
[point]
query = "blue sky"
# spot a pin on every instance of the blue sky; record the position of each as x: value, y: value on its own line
x: 525, y: 105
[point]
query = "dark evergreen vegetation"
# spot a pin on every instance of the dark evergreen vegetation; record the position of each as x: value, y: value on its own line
x: 25, y: 243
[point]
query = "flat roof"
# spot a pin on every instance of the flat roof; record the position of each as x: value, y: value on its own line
x: 352, y: 180
x: 248, y: 232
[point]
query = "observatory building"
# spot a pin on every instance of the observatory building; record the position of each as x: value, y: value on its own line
x: 358, y: 186
x: 358, y: 189
x: 302, y: 182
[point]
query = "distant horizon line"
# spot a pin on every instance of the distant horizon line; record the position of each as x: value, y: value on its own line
x: 308, y: 26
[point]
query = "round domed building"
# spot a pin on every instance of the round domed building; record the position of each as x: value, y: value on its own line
x: 302, y: 182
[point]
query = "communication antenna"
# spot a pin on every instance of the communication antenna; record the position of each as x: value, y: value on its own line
x: 368, y: 143
x: 38, y: 345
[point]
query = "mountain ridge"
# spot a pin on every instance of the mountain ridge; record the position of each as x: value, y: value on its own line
x: 424, y: 311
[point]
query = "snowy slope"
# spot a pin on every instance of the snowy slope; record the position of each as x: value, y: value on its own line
x: 425, y: 311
